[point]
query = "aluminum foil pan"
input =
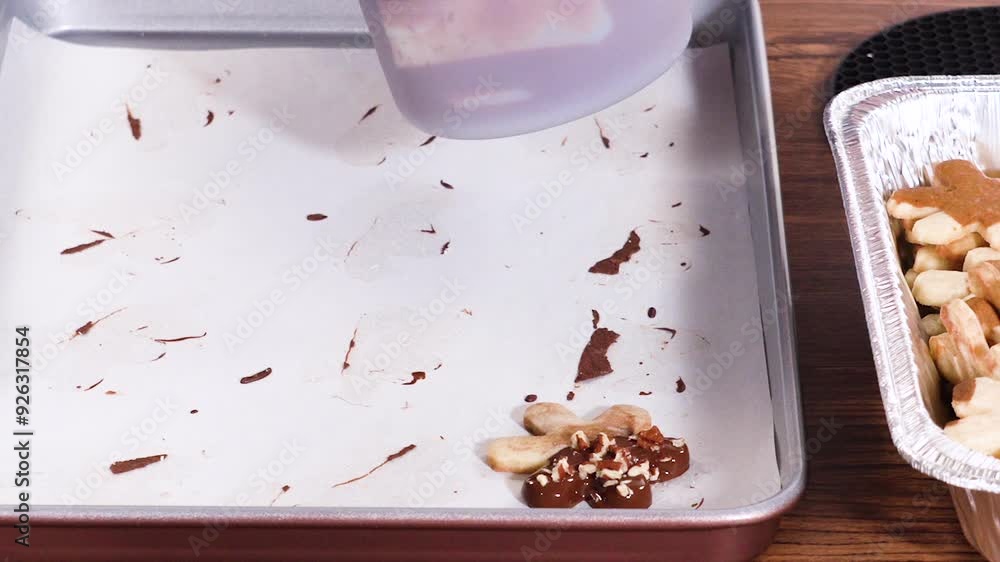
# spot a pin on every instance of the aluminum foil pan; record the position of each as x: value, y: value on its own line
x: 886, y: 135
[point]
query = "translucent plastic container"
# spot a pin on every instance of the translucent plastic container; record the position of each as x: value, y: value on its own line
x: 475, y: 69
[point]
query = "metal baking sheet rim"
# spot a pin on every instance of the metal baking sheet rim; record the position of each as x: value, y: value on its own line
x: 793, y: 482
x: 917, y: 437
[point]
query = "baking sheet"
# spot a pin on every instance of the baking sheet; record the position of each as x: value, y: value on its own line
x: 504, y: 309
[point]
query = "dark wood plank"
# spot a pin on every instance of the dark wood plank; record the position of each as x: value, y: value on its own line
x: 863, y: 502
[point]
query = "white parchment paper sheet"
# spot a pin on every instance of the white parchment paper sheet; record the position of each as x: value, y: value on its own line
x: 493, y: 302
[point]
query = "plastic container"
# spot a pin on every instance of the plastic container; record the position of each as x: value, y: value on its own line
x: 485, y: 69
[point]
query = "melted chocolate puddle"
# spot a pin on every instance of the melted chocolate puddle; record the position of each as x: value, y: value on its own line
x: 594, y: 360
x: 612, y: 265
x: 387, y: 460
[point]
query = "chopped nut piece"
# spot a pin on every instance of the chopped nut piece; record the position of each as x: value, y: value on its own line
x: 624, y: 491
x: 579, y: 441
x: 542, y: 480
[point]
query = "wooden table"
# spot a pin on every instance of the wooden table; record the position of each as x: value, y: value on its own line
x: 862, y: 502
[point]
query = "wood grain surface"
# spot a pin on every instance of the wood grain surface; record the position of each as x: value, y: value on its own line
x: 862, y: 502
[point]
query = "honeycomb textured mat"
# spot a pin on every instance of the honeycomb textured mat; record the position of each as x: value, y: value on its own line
x: 961, y: 42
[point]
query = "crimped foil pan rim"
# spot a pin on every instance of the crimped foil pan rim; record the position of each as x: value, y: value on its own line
x: 919, y: 440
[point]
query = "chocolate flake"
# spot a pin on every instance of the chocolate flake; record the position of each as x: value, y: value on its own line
x: 439, y: 365
x: 651, y: 312
x: 704, y: 231
x: 103, y: 233
x: 445, y: 247
x: 430, y: 230
x: 93, y: 386
x: 350, y: 347
x: 368, y: 113
x: 170, y: 261
x: 612, y: 265
x: 595, y: 318
x: 175, y: 340
x: 194, y: 411
x: 387, y: 460
x: 644, y: 155
x: 672, y: 144
x: 382, y: 161
x: 134, y: 123
x: 135, y: 464
x: 82, y: 247
x: 671, y: 331
x: 315, y: 217
x: 530, y: 398
x: 158, y: 357
x: 417, y: 377
x: 256, y: 376
x: 594, y: 359
x: 209, y: 118
x: 428, y: 141
x: 644, y: 393
x: 699, y: 504
x: 447, y: 185
x: 648, y: 109
x: 604, y: 138
x: 570, y: 395
x: 681, y: 387
x: 677, y: 204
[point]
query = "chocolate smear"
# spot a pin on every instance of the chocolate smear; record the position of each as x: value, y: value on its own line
x: 699, y: 504
x: 648, y: 109
x: 368, y: 113
x: 445, y: 247
x: 430, y: 230
x: 644, y: 393
x: 170, y: 261
x: 209, y: 118
x: 175, y: 340
x: 604, y: 138
x: 704, y: 231
x: 563, y: 143
x: 82, y: 247
x: 446, y: 185
x: 594, y: 360
x: 86, y: 328
x: 284, y: 490
x: 439, y: 365
x: 256, y: 376
x: 428, y: 141
x: 134, y: 123
x: 135, y: 464
x: 387, y: 460
x: 158, y: 357
x: 596, y: 318
x: 350, y: 347
x: 382, y: 161
x: 681, y: 387
x: 644, y: 155
x: 466, y: 312
x: 231, y: 112
x: 93, y: 386
x: 612, y: 265
x: 530, y: 398
x: 103, y: 233
x: 417, y: 377
x: 315, y: 217
x: 110, y: 392
x: 671, y: 331
x: 570, y: 395
x: 651, y: 312
x: 194, y: 411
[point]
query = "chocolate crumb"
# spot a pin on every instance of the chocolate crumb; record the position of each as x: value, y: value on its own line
x: 596, y: 318
x: 699, y: 504
x: 135, y: 464
x: 594, y: 359
x: 704, y: 231
x: 315, y: 217
x: 428, y: 141
x: 82, y: 247
x: 218, y: 80
x: 209, y: 118
x: 350, y: 347
x: 644, y: 155
x: 387, y: 460
x: 285, y: 488
x: 93, y: 386
x: 530, y: 398
x: 686, y: 266
x: 672, y: 144
x: 134, y: 123
x: 175, y: 340
x: 231, y: 112
x: 570, y: 395
x: 417, y: 377
x: 430, y: 230
x: 110, y: 392
x: 681, y: 387
x: 441, y: 437
x: 651, y: 312
x: 445, y: 247
x: 103, y: 233
x: 256, y: 376
x: 604, y: 138
x: 194, y: 411
x: 563, y: 143
x: 439, y: 365
x: 368, y: 113
x: 644, y: 393
x: 612, y: 265
x: 467, y: 312
x: 675, y: 205
x: 446, y: 185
